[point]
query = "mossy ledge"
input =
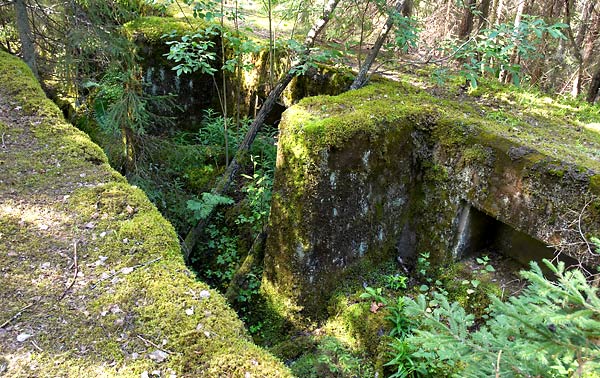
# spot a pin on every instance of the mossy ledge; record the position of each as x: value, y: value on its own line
x: 389, y: 171
x: 92, y: 278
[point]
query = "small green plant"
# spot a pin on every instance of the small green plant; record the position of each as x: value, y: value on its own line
x: 374, y: 294
x: 424, y: 267
x: 202, y: 208
x: 401, y: 323
x: 336, y: 360
x: 395, y: 282
x: 258, y: 197
x: 406, y: 365
x: 484, y: 261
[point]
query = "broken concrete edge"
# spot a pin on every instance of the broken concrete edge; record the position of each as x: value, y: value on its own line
x: 156, y: 299
x: 385, y: 172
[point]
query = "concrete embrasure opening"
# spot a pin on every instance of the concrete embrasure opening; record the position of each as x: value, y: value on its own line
x: 479, y: 232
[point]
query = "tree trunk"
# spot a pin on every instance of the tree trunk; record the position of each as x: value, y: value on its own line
x: 362, y: 78
x: 26, y: 37
x: 484, y: 9
x: 228, y: 176
x: 498, y: 13
x: 594, y: 86
x: 504, y: 75
x: 466, y: 25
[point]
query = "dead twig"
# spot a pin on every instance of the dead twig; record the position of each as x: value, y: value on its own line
x: 74, y: 273
x: 16, y: 316
x: 498, y: 364
x: 3, y: 144
x: 148, y: 342
x: 36, y: 346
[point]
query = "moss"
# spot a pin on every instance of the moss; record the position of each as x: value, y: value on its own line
x: 134, y: 293
x: 154, y: 28
x: 595, y: 184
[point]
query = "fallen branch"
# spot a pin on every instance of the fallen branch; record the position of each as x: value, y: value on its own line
x: 15, y: 316
x: 74, y: 273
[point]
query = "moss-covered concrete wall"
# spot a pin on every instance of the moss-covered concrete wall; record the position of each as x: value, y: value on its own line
x: 386, y: 172
x: 92, y: 280
x: 197, y: 92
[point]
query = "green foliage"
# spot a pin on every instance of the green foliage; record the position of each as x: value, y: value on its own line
x: 424, y: 266
x: 258, y: 197
x: 331, y: 359
x: 193, y: 53
x: 396, y: 315
x: 120, y: 103
x: 492, y: 49
x: 206, y: 205
x: 395, y: 281
x: 550, y: 330
x: 374, y: 294
x: 406, y: 32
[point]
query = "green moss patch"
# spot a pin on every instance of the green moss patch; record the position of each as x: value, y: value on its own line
x: 93, y: 281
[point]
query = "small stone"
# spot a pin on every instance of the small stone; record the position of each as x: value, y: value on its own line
x: 82, y: 175
x: 204, y: 294
x: 125, y: 241
x: 103, y: 234
x: 127, y: 270
x: 46, y: 265
x: 22, y: 337
x: 158, y: 356
x: 156, y: 373
x: 129, y: 209
x: 135, y: 355
x: 43, y: 227
x: 207, y: 334
x: 189, y: 311
x: 144, y: 375
x: 89, y: 225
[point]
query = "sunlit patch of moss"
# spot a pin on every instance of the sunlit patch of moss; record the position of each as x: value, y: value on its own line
x: 153, y: 28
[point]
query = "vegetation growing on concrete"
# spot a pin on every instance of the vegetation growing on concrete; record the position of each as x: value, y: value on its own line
x: 133, y: 306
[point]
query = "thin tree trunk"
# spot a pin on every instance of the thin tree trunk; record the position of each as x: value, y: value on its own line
x: 224, y: 83
x: 26, y: 37
x: 504, y: 76
x: 484, y: 10
x: 499, y: 10
x: 228, y: 176
x: 466, y: 26
x: 594, y: 86
x: 362, y: 77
